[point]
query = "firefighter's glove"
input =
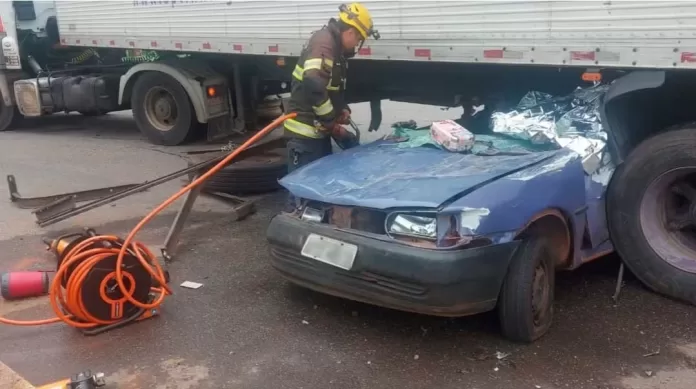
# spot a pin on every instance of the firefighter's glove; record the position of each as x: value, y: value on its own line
x: 344, y: 117
x: 344, y: 138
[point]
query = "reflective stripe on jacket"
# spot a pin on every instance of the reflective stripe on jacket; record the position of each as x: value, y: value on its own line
x: 318, y: 83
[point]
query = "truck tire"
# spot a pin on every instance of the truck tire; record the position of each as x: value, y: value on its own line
x: 9, y: 117
x: 162, y: 110
x: 651, y: 213
x: 253, y: 175
x: 525, y: 304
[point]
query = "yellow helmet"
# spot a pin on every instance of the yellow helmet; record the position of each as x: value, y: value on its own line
x: 357, y: 16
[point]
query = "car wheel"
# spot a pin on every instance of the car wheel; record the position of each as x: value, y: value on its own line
x: 253, y: 175
x: 525, y: 305
x: 162, y: 110
x: 651, y: 213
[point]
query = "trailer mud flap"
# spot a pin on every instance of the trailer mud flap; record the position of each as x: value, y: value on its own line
x: 220, y: 128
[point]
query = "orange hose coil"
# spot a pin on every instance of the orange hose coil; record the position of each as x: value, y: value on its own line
x: 69, y: 299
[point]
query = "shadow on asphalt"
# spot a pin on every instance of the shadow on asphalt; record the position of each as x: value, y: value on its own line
x: 592, y: 337
x: 120, y: 122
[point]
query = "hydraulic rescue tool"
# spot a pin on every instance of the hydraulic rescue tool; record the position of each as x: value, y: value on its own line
x: 356, y: 129
x: 349, y: 144
x: 103, y: 281
x: 84, y: 380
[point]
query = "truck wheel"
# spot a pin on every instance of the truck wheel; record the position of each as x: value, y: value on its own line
x: 9, y: 117
x: 253, y: 175
x: 651, y: 213
x: 162, y: 110
x: 525, y: 305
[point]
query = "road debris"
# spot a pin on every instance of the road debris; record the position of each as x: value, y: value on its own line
x: 305, y: 322
x: 416, y: 357
x: 649, y: 373
x: 501, y: 355
x: 190, y: 285
x: 652, y: 354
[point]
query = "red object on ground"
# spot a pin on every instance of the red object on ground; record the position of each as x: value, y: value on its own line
x: 20, y: 284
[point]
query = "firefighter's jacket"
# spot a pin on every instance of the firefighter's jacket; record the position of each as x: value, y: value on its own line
x: 318, y: 84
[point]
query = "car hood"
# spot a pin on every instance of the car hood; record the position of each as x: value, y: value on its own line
x: 381, y: 175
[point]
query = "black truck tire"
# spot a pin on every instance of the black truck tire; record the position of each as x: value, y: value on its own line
x: 162, y: 110
x: 642, y: 227
x: 253, y: 175
x: 9, y: 117
x: 525, y: 304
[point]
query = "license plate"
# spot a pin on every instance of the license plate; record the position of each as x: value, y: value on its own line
x: 330, y: 251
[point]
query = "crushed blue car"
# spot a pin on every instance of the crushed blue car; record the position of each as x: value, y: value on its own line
x: 403, y: 224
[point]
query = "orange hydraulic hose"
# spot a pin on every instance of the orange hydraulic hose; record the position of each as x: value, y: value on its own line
x: 67, y: 302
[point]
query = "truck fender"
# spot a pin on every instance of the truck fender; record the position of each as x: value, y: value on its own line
x: 612, y: 121
x: 193, y: 77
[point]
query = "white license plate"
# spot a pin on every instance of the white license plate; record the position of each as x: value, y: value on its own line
x: 331, y: 251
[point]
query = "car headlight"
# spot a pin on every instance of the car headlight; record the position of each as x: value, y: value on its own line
x: 414, y: 225
x: 313, y: 215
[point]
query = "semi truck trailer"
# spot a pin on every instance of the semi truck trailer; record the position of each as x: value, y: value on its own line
x: 193, y: 69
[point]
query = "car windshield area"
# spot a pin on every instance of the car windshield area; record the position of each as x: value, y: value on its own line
x: 538, y: 122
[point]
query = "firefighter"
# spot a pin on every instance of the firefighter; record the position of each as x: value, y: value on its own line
x: 318, y: 87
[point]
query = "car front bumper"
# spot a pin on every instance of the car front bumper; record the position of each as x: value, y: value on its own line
x: 394, y: 275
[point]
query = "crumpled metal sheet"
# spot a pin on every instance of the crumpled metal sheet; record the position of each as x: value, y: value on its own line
x: 568, y: 121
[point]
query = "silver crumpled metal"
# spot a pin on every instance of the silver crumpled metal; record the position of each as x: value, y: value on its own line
x: 569, y: 121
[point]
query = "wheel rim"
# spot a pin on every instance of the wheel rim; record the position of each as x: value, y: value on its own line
x: 668, y: 217
x: 541, y: 294
x: 161, y: 109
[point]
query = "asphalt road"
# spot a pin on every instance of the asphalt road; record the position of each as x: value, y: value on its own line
x: 248, y: 328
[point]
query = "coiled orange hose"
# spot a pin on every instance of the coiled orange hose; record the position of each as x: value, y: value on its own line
x: 67, y: 302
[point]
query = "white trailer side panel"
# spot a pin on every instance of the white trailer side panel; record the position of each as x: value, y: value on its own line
x: 641, y: 34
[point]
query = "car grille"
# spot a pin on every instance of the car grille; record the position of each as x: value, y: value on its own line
x: 377, y: 282
x: 354, y: 218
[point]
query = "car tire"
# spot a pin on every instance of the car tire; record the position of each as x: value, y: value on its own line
x: 525, y: 304
x: 252, y: 175
x: 638, y: 213
x: 162, y: 110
